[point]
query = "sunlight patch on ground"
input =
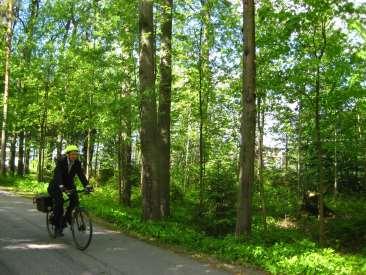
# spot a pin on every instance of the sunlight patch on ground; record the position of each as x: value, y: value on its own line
x: 8, y: 240
x: 30, y: 246
x: 105, y: 232
x: 117, y: 249
x: 6, y: 208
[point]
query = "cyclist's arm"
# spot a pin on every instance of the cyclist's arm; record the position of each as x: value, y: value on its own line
x: 81, y: 176
x: 59, y: 175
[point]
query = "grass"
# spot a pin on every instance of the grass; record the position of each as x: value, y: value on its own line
x: 283, y: 249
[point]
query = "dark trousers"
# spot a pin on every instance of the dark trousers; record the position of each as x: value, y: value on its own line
x: 58, y: 206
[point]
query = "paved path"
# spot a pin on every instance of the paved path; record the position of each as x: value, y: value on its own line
x: 25, y: 248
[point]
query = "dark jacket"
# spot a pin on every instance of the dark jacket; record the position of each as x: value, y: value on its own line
x: 63, y: 177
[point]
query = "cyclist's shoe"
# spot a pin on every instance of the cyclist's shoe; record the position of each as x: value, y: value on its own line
x: 64, y: 224
x: 51, y: 220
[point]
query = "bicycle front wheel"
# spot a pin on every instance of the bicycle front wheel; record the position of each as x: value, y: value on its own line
x: 51, y: 228
x: 81, y: 228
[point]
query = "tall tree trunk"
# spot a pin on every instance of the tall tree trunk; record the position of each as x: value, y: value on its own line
x: 27, y: 54
x: 148, y: 109
x: 12, y: 154
x: 59, y: 146
x: 126, y: 159
x: 201, y: 134
x: 84, y: 150
x: 21, y: 154
x: 186, y: 158
x: 88, y: 152
x: 27, y: 153
x: 165, y: 105
x: 206, y: 39
x: 248, y: 122
x: 89, y: 149
x: 125, y: 168
x: 119, y: 159
x: 42, y: 137
x: 358, y: 159
x: 8, y: 40
x: 96, y: 160
x: 261, y: 162
x: 299, y: 167
x: 320, y: 161
x: 318, y: 141
x: 125, y: 148
x: 335, y: 163
x: 286, y: 157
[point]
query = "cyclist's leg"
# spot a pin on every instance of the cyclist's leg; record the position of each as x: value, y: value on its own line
x: 74, y: 201
x: 58, y: 209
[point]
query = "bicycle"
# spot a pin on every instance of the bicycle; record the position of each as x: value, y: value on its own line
x: 81, y: 224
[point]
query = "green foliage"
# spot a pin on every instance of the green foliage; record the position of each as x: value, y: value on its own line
x: 218, y: 213
x: 76, y: 69
x: 29, y: 184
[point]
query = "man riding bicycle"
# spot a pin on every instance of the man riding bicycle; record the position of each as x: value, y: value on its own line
x: 63, y: 179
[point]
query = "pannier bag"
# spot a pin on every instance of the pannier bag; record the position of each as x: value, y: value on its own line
x: 43, y: 203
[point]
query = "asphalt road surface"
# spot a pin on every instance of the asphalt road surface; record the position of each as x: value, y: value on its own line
x: 25, y: 248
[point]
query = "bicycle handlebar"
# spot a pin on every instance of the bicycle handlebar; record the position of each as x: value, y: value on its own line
x: 70, y: 191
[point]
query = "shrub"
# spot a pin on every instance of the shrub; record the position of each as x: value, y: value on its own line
x: 217, y: 214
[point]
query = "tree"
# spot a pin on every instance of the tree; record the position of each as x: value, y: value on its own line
x: 8, y: 38
x: 164, y: 117
x: 148, y: 111
x: 248, y: 123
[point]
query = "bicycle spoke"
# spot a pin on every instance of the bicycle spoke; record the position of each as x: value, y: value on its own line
x: 81, y: 227
x: 50, y: 224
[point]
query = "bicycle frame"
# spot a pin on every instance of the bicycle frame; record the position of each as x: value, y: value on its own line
x: 81, y: 225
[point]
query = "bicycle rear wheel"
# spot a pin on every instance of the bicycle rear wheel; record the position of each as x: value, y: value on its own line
x: 81, y: 228
x: 51, y: 228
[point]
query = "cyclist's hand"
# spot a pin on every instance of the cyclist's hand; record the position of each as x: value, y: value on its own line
x: 88, y: 188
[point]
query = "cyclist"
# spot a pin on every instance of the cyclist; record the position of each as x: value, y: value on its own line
x: 63, y: 179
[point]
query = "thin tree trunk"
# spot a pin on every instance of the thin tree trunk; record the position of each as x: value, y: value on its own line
x: 299, y: 153
x: 358, y: 159
x: 59, y: 146
x: 88, y: 154
x: 201, y: 135
x: 318, y: 141
x: 27, y: 153
x: 124, y: 150
x: 165, y: 105
x: 335, y: 163
x: 320, y: 161
x: 42, y: 138
x: 126, y: 165
x: 27, y: 52
x: 248, y: 122
x: 148, y: 109
x: 286, y: 157
x: 261, y: 162
x: 119, y: 159
x: 12, y: 154
x: 21, y: 154
x: 96, y: 169
x: 186, y: 159
x: 8, y: 40
x: 127, y: 169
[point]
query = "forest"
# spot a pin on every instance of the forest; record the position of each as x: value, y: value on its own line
x: 232, y: 129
